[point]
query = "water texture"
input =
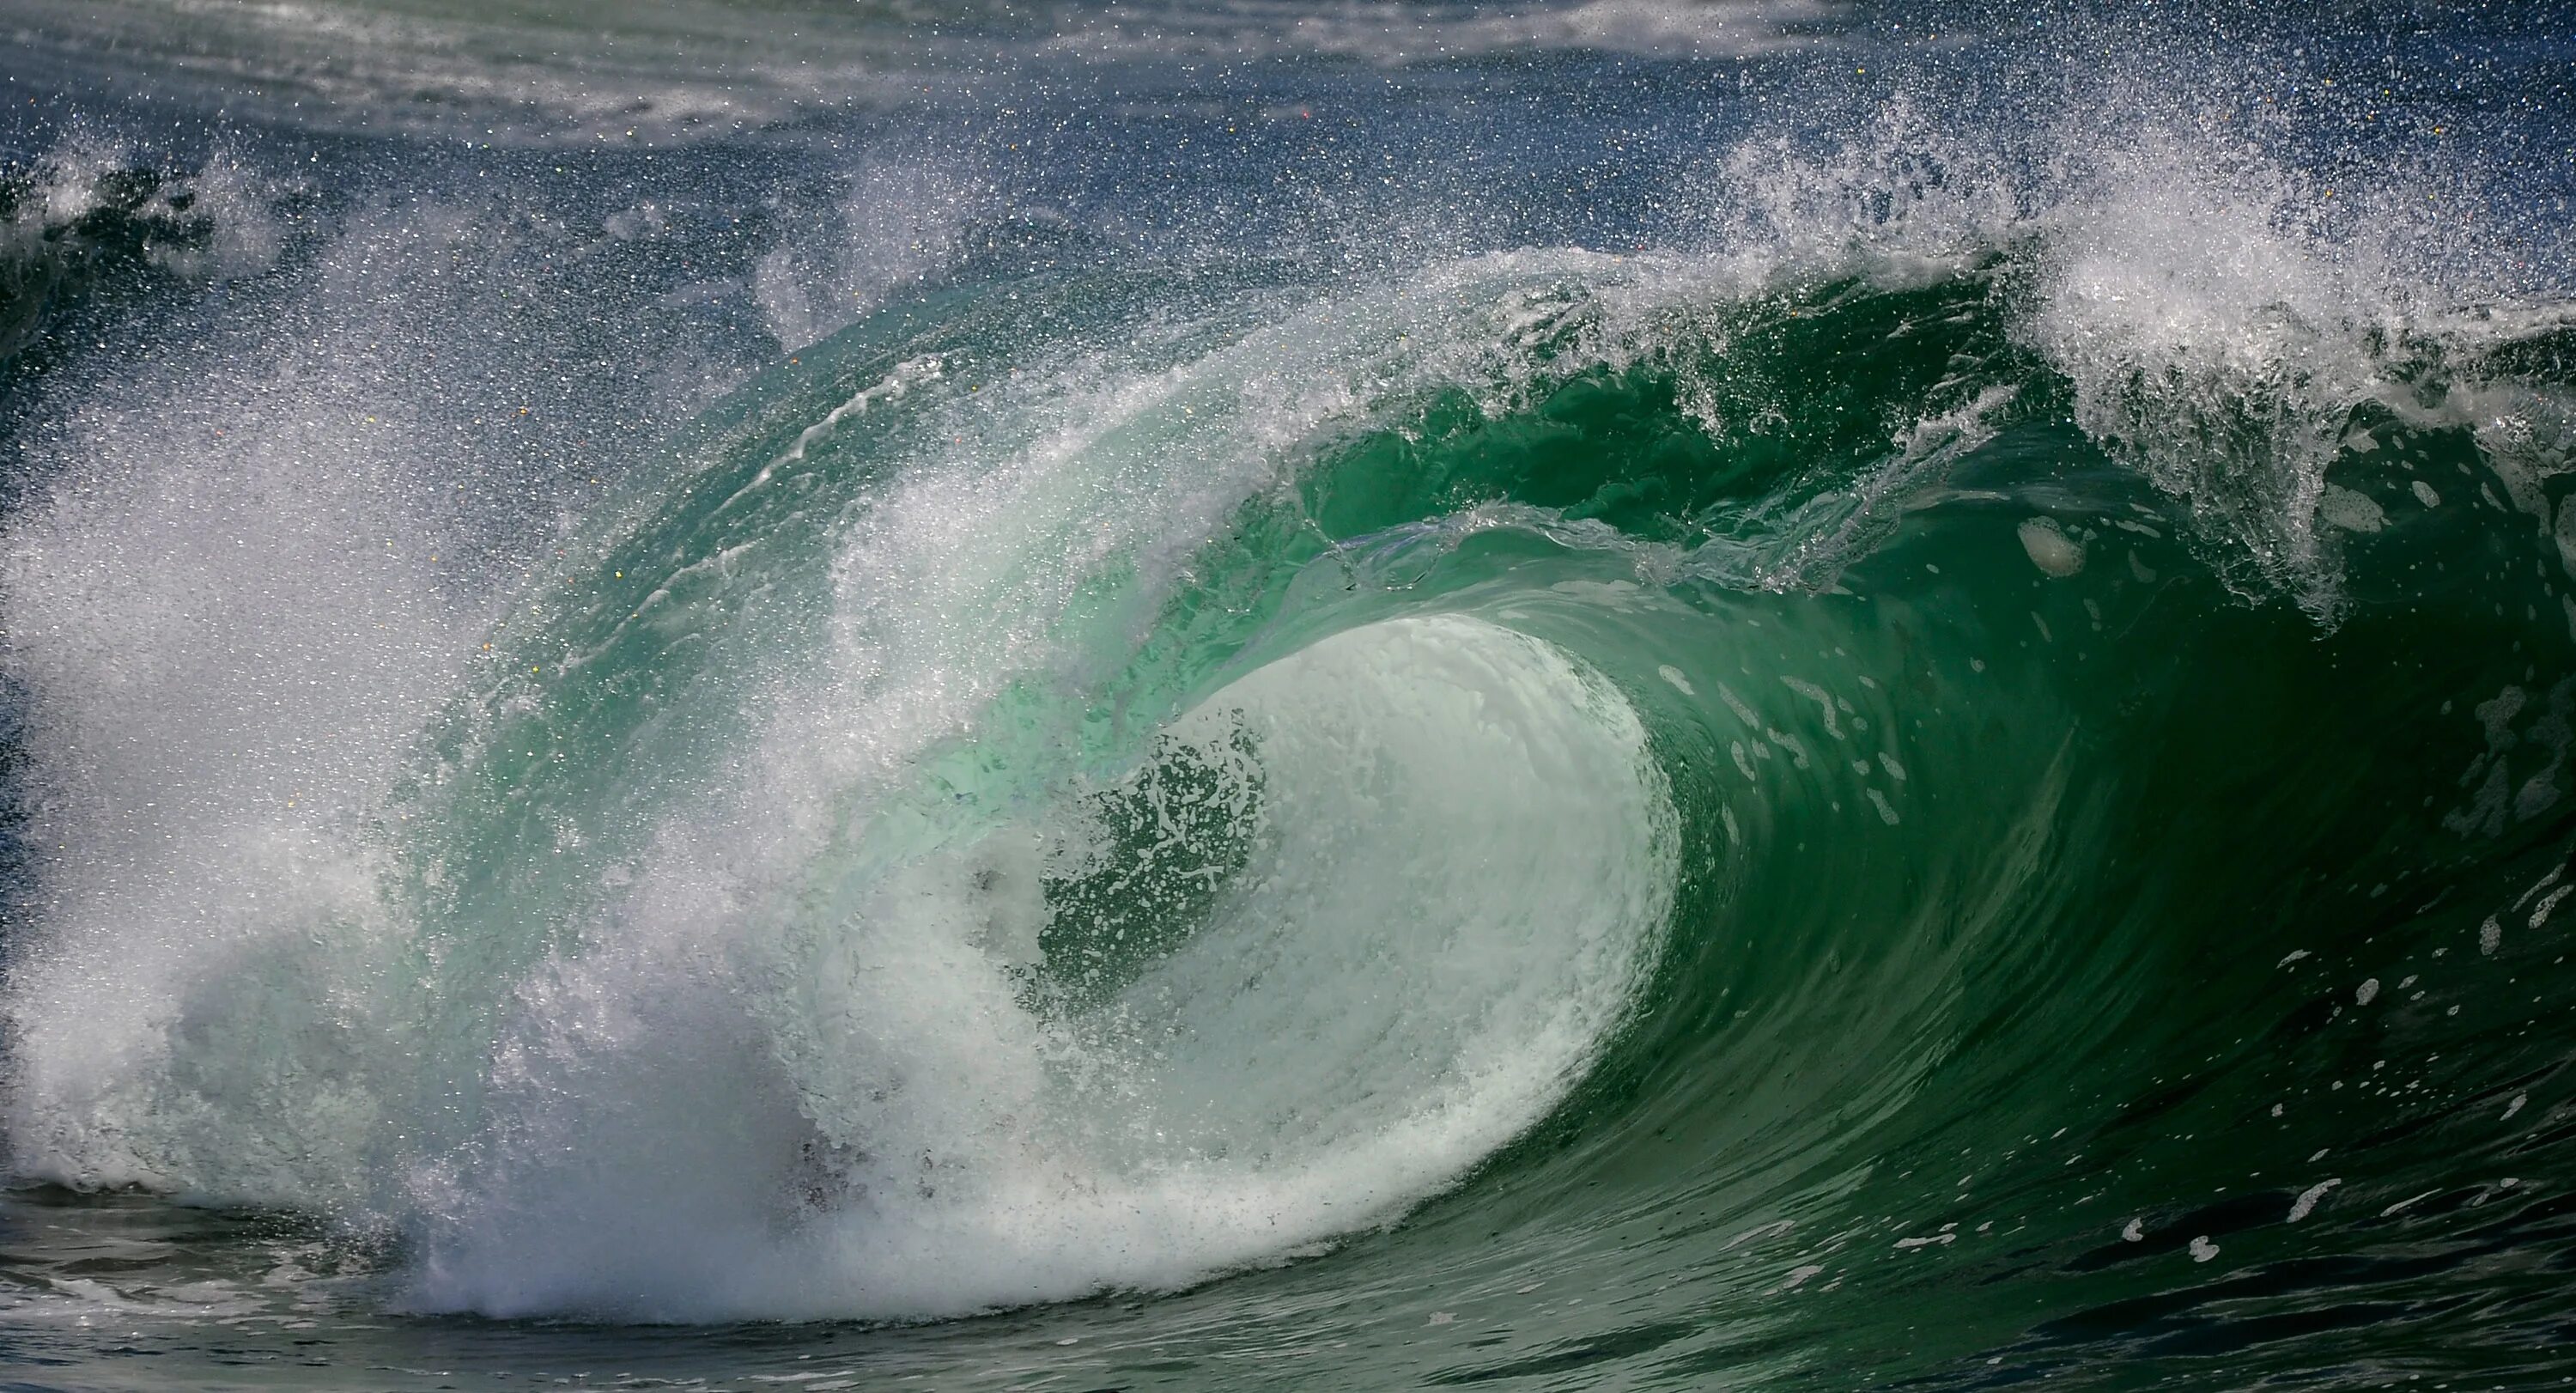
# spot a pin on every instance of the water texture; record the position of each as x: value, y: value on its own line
x: 1620, y: 694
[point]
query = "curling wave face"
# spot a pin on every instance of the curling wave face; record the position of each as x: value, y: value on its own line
x: 1701, y: 811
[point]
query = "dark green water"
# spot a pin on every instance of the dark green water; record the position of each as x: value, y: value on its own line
x: 1950, y: 768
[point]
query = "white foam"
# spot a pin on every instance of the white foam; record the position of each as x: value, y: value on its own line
x: 1394, y: 34
x: 228, y: 209
x: 229, y: 624
x: 1464, y: 863
x: 2217, y: 323
x: 2050, y: 549
x: 790, y: 1066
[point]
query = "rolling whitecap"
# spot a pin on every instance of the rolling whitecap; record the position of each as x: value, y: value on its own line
x: 1941, y: 766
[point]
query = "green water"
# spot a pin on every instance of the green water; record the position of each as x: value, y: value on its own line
x: 1558, y: 817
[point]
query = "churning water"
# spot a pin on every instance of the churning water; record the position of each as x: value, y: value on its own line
x: 1622, y: 694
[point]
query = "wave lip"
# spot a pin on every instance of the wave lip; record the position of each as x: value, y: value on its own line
x: 794, y: 937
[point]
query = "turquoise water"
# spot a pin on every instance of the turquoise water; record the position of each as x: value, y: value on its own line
x: 1840, y: 735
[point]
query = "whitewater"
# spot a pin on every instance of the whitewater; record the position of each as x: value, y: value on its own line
x: 1593, y: 695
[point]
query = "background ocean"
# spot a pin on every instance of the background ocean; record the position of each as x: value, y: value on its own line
x: 1625, y: 694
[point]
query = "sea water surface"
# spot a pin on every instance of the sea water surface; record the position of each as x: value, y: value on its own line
x: 1623, y: 694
